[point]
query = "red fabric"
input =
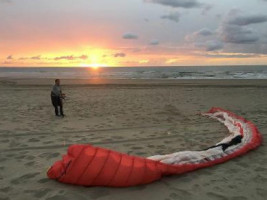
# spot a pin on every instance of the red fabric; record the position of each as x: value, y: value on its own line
x: 94, y: 166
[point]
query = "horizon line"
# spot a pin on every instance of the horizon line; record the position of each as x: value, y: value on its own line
x: 234, y: 65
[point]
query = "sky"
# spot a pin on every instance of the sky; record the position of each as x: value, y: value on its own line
x: 133, y: 32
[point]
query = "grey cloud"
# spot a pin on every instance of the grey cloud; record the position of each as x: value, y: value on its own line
x: 9, y: 57
x: 205, y: 39
x: 214, y: 45
x: 119, y: 55
x: 211, y: 45
x: 174, y: 16
x: 177, y: 3
x: 237, y: 34
x: 246, y: 20
x: 235, y: 55
x: 239, y: 18
x: 154, y: 42
x: 206, y: 9
x: 234, y: 28
x: 130, y: 36
x: 204, y: 32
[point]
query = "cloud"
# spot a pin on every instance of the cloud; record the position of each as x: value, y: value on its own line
x: 36, y: 57
x: 234, y: 28
x: 239, y: 18
x: 154, y: 42
x: 23, y: 58
x: 83, y: 57
x: 204, y: 32
x: 233, y: 55
x: 177, y: 3
x: 214, y: 45
x: 174, y: 16
x: 119, y: 55
x: 9, y: 57
x: 71, y: 57
x: 205, y: 39
x: 211, y: 45
x: 130, y: 36
x: 64, y: 58
x: 6, y: 63
x: 206, y: 9
x: 237, y: 34
x: 246, y: 20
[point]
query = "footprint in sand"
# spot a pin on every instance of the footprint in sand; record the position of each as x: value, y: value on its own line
x: 136, y: 148
x: 5, y: 189
x: 4, y: 141
x: 213, y: 195
x: 38, y: 194
x: 43, y: 180
x: 239, y: 198
x: 261, y: 192
x: 24, y: 178
x: 48, y: 142
x: 29, y: 164
x: 58, y: 197
x: 49, y: 155
x: 30, y: 158
x: 141, y: 154
x: 10, y: 155
x: 20, y: 157
x: 117, y: 137
x: 33, y: 140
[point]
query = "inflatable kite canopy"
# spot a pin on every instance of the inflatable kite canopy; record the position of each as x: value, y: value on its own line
x: 95, y: 166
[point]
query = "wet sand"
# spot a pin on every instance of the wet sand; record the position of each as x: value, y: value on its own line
x: 138, y: 117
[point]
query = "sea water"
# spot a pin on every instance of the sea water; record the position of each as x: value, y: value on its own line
x: 210, y: 72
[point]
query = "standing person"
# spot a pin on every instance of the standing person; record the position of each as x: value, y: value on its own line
x: 56, y: 98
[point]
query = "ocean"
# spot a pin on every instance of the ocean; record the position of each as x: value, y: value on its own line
x: 210, y: 72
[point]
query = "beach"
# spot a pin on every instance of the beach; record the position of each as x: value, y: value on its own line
x: 137, y: 117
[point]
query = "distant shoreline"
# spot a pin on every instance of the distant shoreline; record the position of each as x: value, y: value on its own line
x: 263, y: 65
x: 138, y: 82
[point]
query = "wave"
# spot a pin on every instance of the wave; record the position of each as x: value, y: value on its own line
x: 259, y: 72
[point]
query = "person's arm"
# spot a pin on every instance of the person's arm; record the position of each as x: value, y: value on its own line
x: 62, y: 95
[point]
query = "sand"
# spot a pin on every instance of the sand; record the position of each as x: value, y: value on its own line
x: 138, y: 117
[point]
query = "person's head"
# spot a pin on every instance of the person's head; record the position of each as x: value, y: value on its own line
x: 57, y: 82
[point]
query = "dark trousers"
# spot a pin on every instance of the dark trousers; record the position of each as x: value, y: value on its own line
x: 57, y: 102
